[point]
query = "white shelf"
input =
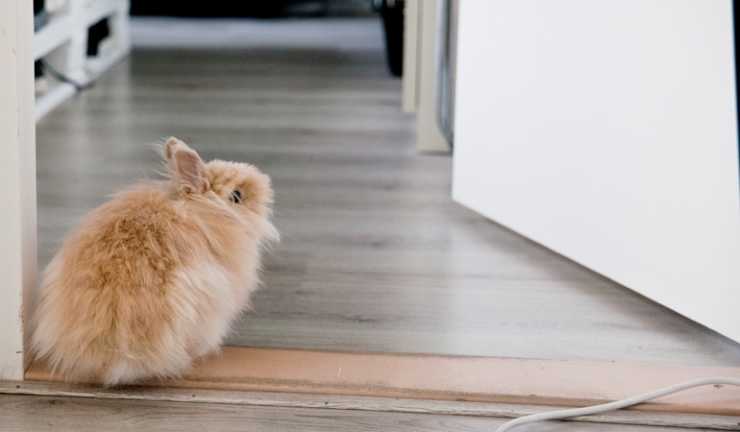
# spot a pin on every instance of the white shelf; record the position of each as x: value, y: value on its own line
x: 63, y: 43
x: 60, y: 91
x: 58, y: 31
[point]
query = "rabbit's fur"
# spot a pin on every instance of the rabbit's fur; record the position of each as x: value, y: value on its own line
x: 152, y: 279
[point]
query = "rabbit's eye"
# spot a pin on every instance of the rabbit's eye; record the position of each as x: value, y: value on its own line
x: 236, y: 197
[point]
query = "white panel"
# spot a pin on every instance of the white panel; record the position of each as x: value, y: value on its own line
x: 17, y: 182
x: 429, y: 137
x: 607, y: 131
x: 409, y: 79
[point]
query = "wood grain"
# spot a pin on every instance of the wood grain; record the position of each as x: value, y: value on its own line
x: 361, y: 403
x: 24, y: 413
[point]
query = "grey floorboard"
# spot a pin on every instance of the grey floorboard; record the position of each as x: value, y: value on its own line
x: 60, y: 414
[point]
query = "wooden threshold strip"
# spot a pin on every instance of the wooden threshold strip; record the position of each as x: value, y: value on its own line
x: 479, y: 379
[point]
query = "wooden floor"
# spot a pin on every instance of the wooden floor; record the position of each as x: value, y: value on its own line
x: 61, y: 414
x: 33, y: 406
x: 375, y: 256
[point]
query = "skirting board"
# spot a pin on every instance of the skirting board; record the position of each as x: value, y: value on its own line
x: 475, y: 379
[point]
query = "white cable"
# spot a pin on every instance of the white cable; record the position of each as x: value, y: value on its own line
x: 577, y: 412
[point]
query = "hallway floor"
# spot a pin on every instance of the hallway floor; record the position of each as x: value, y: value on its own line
x: 375, y: 255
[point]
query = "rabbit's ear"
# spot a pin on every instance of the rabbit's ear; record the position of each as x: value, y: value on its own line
x: 185, y: 166
x: 169, y: 148
x: 190, y: 173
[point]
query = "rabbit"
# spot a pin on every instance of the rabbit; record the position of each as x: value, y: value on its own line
x: 151, y: 280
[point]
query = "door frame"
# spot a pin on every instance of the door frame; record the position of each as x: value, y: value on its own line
x: 18, y: 256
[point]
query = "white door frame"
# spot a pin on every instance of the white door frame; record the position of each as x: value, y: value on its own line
x: 17, y: 183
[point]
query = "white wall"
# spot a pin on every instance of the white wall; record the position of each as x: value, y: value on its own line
x: 607, y: 131
x: 17, y: 181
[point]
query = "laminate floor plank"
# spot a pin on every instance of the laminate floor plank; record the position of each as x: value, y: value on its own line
x: 374, y: 256
x: 60, y: 414
x: 359, y: 403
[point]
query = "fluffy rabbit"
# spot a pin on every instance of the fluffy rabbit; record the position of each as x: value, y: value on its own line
x: 152, y: 279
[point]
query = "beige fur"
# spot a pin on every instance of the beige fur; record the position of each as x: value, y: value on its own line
x: 152, y: 279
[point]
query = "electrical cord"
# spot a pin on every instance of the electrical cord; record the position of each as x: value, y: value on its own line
x: 46, y: 67
x: 597, y: 409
